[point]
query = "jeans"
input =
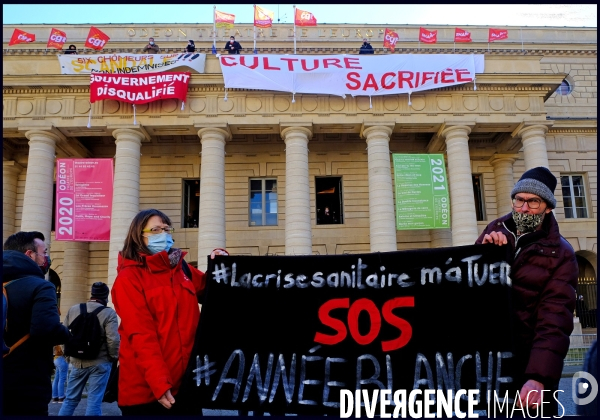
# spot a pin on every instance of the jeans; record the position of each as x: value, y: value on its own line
x: 98, y: 378
x: 58, y: 386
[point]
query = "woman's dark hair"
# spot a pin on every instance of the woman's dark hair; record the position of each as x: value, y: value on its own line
x: 134, y: 247
x: 74, y: 47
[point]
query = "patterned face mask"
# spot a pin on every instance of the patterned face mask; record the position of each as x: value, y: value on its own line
x: 527, y: 222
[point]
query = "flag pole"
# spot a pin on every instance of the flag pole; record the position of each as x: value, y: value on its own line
x: 294, y: 29
x: 254, y: 29
x: 522, y: 47
x: 214, y: 28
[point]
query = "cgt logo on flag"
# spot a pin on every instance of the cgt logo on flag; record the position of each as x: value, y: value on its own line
x: 460, y: 35
x: 304, y: 18
x: 20, y: 36
x: 497, y: 35
x: 96, y: 39
x: 429, y: 37
x: 390, y: 38
x: 57, y: 39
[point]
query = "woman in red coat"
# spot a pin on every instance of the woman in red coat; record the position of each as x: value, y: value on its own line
x: 158, y: 306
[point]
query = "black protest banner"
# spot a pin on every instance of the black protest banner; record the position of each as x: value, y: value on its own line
x: 286, y: 334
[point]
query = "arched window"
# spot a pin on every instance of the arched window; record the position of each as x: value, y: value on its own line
x: 565, y: 88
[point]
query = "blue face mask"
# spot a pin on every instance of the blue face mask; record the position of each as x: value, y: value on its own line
x: 161, y: 242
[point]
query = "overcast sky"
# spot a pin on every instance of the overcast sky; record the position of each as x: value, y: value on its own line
x: 437, y: 14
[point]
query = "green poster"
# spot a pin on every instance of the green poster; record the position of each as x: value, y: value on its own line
x: 422, y: 200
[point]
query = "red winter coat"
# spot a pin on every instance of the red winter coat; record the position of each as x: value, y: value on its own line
x: 544, y: 277
x: 159, y: 313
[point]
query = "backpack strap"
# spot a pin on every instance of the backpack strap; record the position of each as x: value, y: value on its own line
x: 98, y: 310
x: 26, y: 336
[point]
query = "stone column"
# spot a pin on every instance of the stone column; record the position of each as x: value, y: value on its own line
x: 126, y: 192
x: 37, y: 202
x: 75, y: 287
x: 10, y: 176
x: 503, y: 174
x: 460, y: 182
x: 382, y: 219
x: 298, y: 233
x: 211, y: 221
x: 535, y: 153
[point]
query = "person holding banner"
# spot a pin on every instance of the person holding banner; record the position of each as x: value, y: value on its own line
x: 233, y: 47
x: 72, y: 49
x: 156, y: 295
x: 544, y: 279
x: 366, y: 47
x: 190, y: 47
x: 151, y: 47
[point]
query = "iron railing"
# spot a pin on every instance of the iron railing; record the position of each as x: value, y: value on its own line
x: 580, y: 344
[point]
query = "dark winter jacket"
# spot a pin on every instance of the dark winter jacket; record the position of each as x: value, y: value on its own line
x: 32, y: 309
x: 236, y: 47
x: 544, y: 278
x: 366, y: 48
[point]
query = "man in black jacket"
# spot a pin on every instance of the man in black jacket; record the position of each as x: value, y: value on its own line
x: 366, y: 48
x: 32, y: 309
x: 233, y: 47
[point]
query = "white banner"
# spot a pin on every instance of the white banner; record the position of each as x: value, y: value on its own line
x: 130, y: 63
x: 349, y: 74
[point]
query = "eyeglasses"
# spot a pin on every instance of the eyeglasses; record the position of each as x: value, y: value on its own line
x: 156, y: 230
x: 45, y: 253
x: 532, y: 203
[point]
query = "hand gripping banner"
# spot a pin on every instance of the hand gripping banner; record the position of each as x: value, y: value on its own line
x: 287, y: 334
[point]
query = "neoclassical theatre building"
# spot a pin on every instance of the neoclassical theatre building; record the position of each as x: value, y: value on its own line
x: 253, y: 171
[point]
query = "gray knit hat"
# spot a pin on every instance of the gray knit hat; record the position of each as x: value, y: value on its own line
x: 538, y: 181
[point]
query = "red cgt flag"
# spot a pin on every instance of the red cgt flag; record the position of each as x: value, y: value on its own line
x: 20, y: 36
x: 497, y: 34
x: 390, y: 38
x: 57, y: 39
x: 429, y: 37
x: 304, y: 18
x: 96, y: 39
x: 460, y: 35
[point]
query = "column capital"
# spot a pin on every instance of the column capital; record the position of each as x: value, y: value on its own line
x: 305, y: 129
x: 500, y: 157
x: 10, y: 166
x: 219, y: 129
x: 368, y: 128
x: 138, y: 134
x: 42, y: 135
x: 527, y: 127
x: 450, y: 128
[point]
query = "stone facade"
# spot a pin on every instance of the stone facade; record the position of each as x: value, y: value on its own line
x: 511, y: 120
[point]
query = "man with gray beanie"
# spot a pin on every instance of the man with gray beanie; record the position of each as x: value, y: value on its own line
x: 544, y: 277
x: 96, y: 369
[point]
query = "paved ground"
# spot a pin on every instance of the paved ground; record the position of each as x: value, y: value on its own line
x: 565, y: 399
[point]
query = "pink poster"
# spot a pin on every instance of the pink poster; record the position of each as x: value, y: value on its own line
x: 84, y: 191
